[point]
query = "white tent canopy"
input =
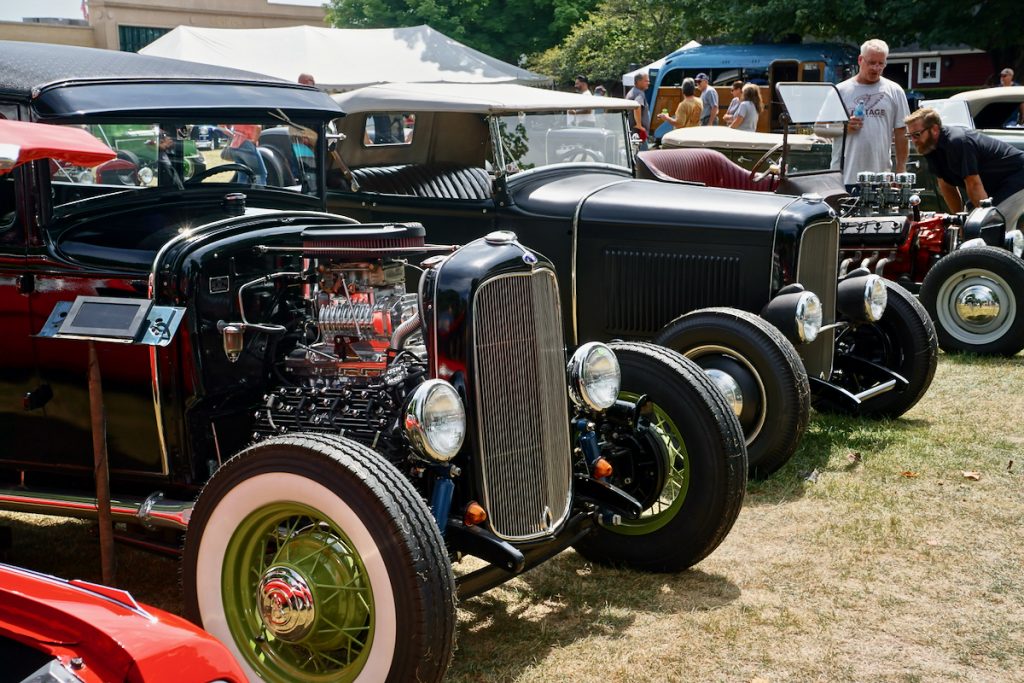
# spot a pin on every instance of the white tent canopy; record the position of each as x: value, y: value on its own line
x: 627, y: 79
x: 341, y: 59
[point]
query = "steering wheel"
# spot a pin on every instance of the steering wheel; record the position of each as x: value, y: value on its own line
x: 223, y: 168
x: 772, y: 167
x: 575, y: 154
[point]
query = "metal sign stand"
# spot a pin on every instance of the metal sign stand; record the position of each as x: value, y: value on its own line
x: 101, y: 470
x: 116, y: 320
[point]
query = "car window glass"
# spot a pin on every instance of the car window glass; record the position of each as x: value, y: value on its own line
x: 534, y: 139
x: 183, y: 155
x: 812, y: 102
x: 389, y: 128
x: 952, y: 112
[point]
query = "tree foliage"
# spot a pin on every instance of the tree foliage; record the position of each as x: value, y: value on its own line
x: 617, y: 36
x: 500, y: 28
x: 619, y: 33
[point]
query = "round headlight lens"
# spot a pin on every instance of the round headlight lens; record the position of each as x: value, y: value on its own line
x: 808, y: 316
x: 146, y: 175
x: 1015, y: 242
x: 875, y: 298
x: 435, y: 420
x: 594, y: 376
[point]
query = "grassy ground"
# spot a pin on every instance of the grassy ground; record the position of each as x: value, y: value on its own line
x: 885, y: 551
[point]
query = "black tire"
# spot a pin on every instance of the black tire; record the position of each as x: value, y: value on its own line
x: 702, y: 498
x: 902, y: 341
x: 998, y: 273
x: 775, y: 390
x: 369, y: 531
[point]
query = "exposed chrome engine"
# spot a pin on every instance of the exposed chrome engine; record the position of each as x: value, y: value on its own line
x: 352, y: 352
x: 883, y: 194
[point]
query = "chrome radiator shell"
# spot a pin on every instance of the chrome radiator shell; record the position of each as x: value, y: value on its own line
x: 522, y: 413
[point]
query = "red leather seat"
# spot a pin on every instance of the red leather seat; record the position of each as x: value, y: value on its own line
x: 707, y: 166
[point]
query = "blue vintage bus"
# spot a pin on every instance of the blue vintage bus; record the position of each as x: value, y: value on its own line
x: 765, y: 65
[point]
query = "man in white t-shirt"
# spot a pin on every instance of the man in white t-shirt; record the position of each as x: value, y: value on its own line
x: 582, y: 117
x: 877, y: 107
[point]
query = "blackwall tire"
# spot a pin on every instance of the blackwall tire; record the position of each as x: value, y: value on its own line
x: 325, y: 521
x: 707, y: 467
x: 991, y: 271
x: 777, y: 397
x: 902, y: 341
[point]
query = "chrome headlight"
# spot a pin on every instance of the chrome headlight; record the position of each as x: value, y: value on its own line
x: 862, y: 298
x: 435, y: 420
x: 594, y: 376
x: 1014, y: 242
x: 876, y: 296
x: 796, y: 313
x: 808, y: 317
x: 146, y: 175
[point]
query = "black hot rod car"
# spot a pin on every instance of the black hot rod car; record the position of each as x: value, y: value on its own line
x: 327, y: 442
x: 688, y: 266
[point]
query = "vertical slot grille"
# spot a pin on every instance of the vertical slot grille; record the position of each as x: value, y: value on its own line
x: 817, y: 269
x: 644, y: 290
x: 522, y: 407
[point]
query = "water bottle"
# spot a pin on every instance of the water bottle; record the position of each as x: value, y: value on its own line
x: 859, y: 111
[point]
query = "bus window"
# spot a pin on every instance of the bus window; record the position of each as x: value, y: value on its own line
x: 812, y: 72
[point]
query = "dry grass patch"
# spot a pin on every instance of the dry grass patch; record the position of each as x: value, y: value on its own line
x: 869, y: 557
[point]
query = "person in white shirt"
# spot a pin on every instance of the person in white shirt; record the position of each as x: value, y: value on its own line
x: 877, y: 108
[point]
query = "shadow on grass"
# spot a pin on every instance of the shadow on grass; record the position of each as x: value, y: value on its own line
x: 565, y: 600
x: 70, y: 549
x: 833, y: 443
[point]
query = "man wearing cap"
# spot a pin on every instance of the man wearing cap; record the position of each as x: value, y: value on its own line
x: 963, y: 157
x: 1006, y: 78
x: 708, y: 100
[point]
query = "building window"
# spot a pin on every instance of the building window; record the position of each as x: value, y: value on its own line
x: 929, y: 70
x: 134, y: 38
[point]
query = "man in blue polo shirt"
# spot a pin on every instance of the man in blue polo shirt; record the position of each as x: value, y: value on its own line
x: 983, y: 166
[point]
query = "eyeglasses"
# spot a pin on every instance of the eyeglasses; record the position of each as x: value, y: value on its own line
x: 916, y: 134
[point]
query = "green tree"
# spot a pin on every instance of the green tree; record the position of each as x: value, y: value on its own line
x: 618, y: 32
x: 503, y: 29
x: 616, y: 35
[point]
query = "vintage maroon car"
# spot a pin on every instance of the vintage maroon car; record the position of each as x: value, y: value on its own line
x: 73, y: 631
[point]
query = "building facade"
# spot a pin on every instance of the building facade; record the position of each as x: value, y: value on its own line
x: 132, y: 24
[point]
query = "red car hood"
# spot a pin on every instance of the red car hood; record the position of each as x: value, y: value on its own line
x: 116, y: 638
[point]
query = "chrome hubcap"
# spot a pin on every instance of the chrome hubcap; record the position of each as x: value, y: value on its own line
x: 287, y: 607
x: 729, y: 387
x: 977, y: 304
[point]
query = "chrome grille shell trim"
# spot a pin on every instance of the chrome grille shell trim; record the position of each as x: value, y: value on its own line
x: 522, y: 405
x: 817, y: 270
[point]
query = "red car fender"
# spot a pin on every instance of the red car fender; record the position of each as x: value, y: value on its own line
x: 103, y: 635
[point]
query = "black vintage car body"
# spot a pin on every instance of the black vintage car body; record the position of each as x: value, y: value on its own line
x: 327, y: 442
x: 966, y: 267
x: 680, y: 263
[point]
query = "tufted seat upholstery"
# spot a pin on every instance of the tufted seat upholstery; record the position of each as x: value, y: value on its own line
x: 437, y: 181
x: 707, y: 166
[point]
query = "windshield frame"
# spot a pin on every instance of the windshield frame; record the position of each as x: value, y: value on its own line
x: 505, y: 167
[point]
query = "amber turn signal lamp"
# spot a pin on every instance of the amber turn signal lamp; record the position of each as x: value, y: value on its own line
x: 602, y: 468
x: 475, y: 514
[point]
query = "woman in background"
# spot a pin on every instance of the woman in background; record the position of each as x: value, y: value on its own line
x: 737, y: 98
x: 688, y: 111
x: 749, y: 110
